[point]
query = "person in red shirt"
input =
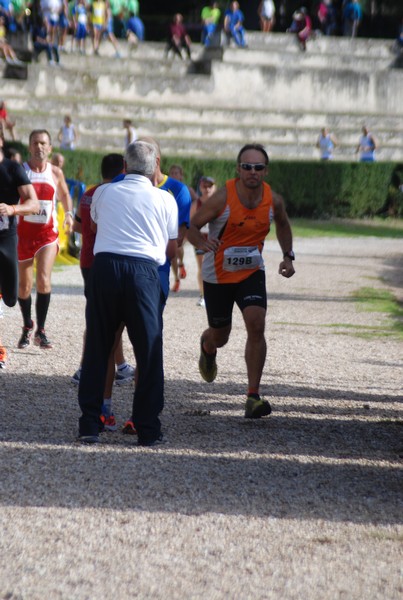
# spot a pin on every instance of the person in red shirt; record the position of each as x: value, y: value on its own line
x: 5, y: 122
x: 111, y: 166
x: 178, y: 37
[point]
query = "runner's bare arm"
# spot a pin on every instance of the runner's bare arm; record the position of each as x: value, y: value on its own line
x: 29, y: 206
x: 284, y: 235
x: 63, y: 195
x: 206, y: 213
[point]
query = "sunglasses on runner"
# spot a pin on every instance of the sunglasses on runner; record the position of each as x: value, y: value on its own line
x: 254, y: 166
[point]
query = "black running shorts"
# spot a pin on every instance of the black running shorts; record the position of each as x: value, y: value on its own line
x: 9, y: 269
x: 220, y: 298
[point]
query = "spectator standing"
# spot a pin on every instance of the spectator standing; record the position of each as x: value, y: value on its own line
x: 326, y: 143
x: 64, y: 25
x: 51, y: 11
x: 67, y: 136
x: 233, y: 25
x: 5, y: 122
x: 131, y: 135
x: 207, y: 188
x: 124, y: 286
x: 331, y: 21
x: 178, y: 38
x: 112, y: 165
x: 80, y: 19
x: 98, y: 19
x: 267, y: 12
x: 181, y: 193
x: 210, y: 16
x: 367, y: 145
x: 177, y: 263
x: 398, y: 46
x: 233, y: 267
x: 352, y: 17
x: 14, y: 184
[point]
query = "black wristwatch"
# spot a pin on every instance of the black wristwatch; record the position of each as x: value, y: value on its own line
x: 289, y: 254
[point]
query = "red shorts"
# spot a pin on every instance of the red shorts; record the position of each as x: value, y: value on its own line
x: 28, y: 248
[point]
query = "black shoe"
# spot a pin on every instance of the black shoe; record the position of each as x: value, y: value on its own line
x: 41, y: 340
x: 207, y: 364
x: 88, y: 439
x: 25, y: 337
x: 157, y: 442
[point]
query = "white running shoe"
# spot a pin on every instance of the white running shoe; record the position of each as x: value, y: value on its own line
x: 124, y: 375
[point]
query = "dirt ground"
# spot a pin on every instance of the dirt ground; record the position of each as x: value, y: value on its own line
x: 304, y: 504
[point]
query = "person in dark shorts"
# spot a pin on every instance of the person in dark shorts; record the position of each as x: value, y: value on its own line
x: 239, y: 217
x: 14, y: 184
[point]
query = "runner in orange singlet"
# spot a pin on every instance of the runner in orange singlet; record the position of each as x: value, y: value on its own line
x: 239, y: 217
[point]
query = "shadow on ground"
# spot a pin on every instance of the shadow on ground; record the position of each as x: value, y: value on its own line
x: 321, y: 465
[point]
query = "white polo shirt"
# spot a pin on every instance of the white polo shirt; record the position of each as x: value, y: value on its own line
x: 134, y: 218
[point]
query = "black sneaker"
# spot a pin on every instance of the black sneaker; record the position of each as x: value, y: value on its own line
x: 41, y: 340
x: 88, y: 439
x: 149, y: 443
x: 255, y: 407
x: 207, y: 364
x: 25, y: 337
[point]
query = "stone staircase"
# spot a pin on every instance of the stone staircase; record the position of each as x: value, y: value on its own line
x: 270, y: 92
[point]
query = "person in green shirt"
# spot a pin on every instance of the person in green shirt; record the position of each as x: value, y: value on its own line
x: 210, y: 16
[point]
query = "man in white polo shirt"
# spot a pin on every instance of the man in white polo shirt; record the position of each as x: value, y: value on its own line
x: 137, y: 228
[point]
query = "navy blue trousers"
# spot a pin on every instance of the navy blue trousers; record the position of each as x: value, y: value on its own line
x: 128, y: 290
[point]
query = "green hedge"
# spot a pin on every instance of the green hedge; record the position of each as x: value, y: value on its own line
x: 310, y: 189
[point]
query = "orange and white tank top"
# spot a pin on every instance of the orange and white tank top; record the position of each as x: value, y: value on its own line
x: 242, y: 232
x: 45, y: 187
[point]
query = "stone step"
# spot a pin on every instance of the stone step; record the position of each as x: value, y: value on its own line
x: 111, y: 125
x: 242, y: 86
x: 150, y: 57
x: 291, y: 142
x: 108, y: 114
x: 270, y: 92
x: 332, y: 45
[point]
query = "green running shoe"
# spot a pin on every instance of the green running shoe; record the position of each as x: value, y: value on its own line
x: 207, y: 364
x: 255, y: 408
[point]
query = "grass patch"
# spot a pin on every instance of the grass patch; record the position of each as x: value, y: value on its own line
x: 382, y: 301
x: 307, y: 228
x: 362, y: 331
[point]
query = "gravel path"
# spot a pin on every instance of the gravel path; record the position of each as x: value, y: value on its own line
x: 305, y: 504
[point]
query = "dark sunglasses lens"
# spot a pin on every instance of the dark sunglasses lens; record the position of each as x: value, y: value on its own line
x: 249, y: 166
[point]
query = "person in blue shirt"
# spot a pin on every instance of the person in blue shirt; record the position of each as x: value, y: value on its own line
x: 233, y: 25
x: 134, y: 30
x: 352, y: 17
x: 183, y: 199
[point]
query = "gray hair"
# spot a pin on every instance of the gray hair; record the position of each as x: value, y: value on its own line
x: 141, y: 158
